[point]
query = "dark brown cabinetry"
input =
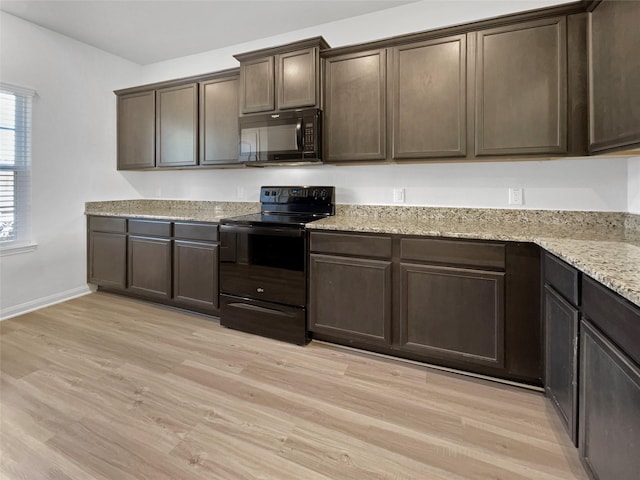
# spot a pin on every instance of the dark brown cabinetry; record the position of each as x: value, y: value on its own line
x: 355, y: 107
x: 442, y: 301
x: 521, y: 89
x: 136, y: 130
x: 219, y: 121
x: 195, y: 265
x: 561, y: 321
x: 452, y: 313
x: 177, y: 126
x: 172, y: 263
x: 609, y: 410
x: 149, y: 258
x: 281, y: 78
x: 614, y: 76
x: 428, y: 91
x: 179, y: 123
x: 107, y: 252
x: 351, y: 296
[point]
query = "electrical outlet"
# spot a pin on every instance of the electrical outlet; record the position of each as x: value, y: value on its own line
x: 516, y: 196
x: 240, y: 193
x: 398, y: 195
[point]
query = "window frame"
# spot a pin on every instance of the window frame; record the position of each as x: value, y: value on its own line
x: 22, y: 240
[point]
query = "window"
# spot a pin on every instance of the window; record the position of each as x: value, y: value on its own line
x: 15, y: 166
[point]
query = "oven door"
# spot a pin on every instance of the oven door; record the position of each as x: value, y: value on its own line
x: 263, y: 263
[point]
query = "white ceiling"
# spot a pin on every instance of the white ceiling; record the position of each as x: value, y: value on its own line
x: 149, y: 31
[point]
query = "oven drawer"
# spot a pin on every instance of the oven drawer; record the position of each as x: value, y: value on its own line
x: 262, y: 318
x: 264, y: 283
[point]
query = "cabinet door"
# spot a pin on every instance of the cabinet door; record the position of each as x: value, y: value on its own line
x: 452, y: 313
x: 108, y: 259
x: 177, y: 126
x: 520, y: 94
x: 355, y: 107
x: 219, y: 121
x: 257, y: 85
x: 297, y: 78
x: 149, y: 266
x: 195, y: 274
x: 609, y: 427
x: 350, y: 298
x: 136, y: 130
x: 561, y: 358
x: 428, y: 91
x: 614, y: 63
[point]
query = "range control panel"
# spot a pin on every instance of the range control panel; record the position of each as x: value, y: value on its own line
x: 298, y: 199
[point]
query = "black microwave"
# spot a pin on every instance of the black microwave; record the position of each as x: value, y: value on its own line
x: 290, y: 137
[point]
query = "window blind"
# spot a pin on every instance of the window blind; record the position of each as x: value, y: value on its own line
x: 15, y: 164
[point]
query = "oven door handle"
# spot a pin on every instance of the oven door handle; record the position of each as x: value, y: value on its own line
x: 270, y: 231
x: 256, y: 308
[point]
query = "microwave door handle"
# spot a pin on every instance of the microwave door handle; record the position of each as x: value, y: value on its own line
x: 299, y: 139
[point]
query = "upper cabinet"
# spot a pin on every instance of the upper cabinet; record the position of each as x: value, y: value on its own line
x: 355, y: 106
x: 177, y: 126
x: 428, y: 91
x: 136, y: 130
x: 181, y: 123
x: 521, y: 89
x: 614, y: 76
x: 219, y: 137
x: 281, y: 78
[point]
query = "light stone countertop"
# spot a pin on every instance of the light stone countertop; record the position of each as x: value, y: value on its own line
x: 603, y: 245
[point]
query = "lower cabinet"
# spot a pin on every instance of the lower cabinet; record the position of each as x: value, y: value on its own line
x: 351, y: 298
x: 452, y: 313
x: 442, y: 301
x: 107, y: 260
x: 175, y: 263
x: 195, y: 273
x: 609, y: 398
x: 149, y: 266
x: 561, y: 355
x: 609, y: 408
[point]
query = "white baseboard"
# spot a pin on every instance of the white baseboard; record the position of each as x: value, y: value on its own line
x: 6, y: 313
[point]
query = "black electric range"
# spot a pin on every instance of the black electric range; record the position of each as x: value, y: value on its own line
x: 263, y: 277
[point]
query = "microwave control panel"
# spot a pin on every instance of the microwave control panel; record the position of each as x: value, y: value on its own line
x: 308, y: 137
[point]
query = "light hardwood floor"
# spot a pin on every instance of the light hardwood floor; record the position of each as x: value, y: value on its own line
x: 105, y: 387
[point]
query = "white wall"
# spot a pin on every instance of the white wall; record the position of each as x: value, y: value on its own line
x: 633, y: 189
x: 575, y: 184
x: 73, y: 155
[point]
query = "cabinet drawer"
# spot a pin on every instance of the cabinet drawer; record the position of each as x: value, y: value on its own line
x: 196, y: 231
x: 351, y: 244
x: 150, y: 227
x: 614, y: 315
x: 563, y: 277
x: 455, y: 252
x: 108, y: 224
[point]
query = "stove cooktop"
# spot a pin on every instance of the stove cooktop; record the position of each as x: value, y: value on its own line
x: 273, y: 219
x: 289, y: 206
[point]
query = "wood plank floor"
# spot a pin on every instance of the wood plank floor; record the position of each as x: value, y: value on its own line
x: 105, y: 387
